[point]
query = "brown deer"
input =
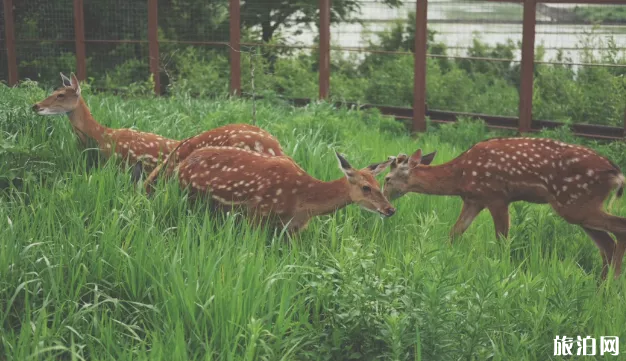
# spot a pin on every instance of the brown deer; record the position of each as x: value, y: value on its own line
x: 275, y: 189
x: 129, y: 144
x: 574, y: 180
x: 245, y: 136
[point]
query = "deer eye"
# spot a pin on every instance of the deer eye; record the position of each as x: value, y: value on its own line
x: 366, y: 189
x: 60, y: 96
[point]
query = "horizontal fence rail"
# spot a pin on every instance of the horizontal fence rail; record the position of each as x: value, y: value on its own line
x: 148, y: 38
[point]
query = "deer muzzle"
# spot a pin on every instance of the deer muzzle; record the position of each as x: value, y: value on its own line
x: 389, y: 211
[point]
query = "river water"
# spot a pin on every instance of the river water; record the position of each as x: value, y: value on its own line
x: 457, y: 23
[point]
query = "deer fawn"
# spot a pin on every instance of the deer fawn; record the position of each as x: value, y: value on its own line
x: 131, y: 145
x: 243, y: 136
x: 574, y: 180
x: 276, y: 189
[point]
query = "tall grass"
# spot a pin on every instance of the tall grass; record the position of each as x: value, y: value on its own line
x: 91, y: 269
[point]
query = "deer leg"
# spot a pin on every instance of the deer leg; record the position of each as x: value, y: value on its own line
x: 601, y: 220
x: 501, y: 220
x: 468, y: 214
x: 606, y: 245
x: 604, y: 222
x: 618, y: 255
x: 137, y: 172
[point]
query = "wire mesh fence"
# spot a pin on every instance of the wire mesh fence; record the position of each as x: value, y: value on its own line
x: 193, y: 42
x: 44, y: 33
x: 116, y: 43
x: 473, y: 49
x: 371, y: 59
x: 580, y: 49
x: 475, y: 56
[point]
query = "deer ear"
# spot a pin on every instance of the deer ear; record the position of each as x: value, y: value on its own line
x: 428, y: 158
x: 401, y: 159
x: 65, y: 80
x: 75, y: 85
x: 376, y: 168
x: 346, y: 168
x: 416, y: 158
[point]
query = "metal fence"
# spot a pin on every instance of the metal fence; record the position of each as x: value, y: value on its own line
x: 133, y: 38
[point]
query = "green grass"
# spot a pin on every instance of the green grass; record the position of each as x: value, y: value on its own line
x: 92, y: 269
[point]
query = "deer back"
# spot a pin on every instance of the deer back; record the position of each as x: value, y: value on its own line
x: 537, y: 170
x: 136, y: 146
x: 235, y: 176
x: 243, y: 136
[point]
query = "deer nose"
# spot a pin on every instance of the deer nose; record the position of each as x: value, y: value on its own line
x: 35, y: 107
x: 390, y: 211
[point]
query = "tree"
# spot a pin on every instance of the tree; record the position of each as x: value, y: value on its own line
x: 271, y: 15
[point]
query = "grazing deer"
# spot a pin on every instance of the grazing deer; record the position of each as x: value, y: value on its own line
x: 574, y: 180
x: 131, y: 145
x: 276, y: 189
x: 243, y: 136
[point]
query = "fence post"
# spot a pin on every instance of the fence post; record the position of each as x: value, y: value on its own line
x: 624, y: 135
x: 419, y: 71
x: 79, y: 35
x: 9, y: 29
x: 527, y: 67
x: 324, y: 49
x: 153, y: 44
x: 235, y: 48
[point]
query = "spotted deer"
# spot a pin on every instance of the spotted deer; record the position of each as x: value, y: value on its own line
x: 274, y: 189
x: 245, y: 136
x: 574, y: 180
x: 129, y: 144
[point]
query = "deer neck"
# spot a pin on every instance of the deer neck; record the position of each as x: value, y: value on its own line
x: 84, y: 125
x: 319, y: 198
x: 438, y: 180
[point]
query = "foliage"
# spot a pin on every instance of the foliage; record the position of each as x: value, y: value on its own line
x: 562, y: 92
x: 93, y: 269
x: 601, y: 14
x: 273, y: 15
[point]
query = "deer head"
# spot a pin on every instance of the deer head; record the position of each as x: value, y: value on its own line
x: 363, y: 188
x: 63, y: 100
x: 399, y: 180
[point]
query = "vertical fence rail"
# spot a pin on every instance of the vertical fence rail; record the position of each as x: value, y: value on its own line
x: 324, y: 49
x: 79, y: 35
x: 419, y: 76
x: 235, y: 40
x: 624, y: 135
x: 527, y: 67
x: 9, y: 31
x: 153, y: 44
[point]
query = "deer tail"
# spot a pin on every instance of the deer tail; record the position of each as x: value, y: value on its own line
x: 619, y: 181
x: 155, y: 173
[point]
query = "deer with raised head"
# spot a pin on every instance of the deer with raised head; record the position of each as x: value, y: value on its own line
x: 129, y: 144
x: 574, y: 180
x: 274, y: 189
x: 245, y: 136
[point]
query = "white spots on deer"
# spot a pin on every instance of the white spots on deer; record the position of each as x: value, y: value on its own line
x: 590, y: 172
x: 258, y: 146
